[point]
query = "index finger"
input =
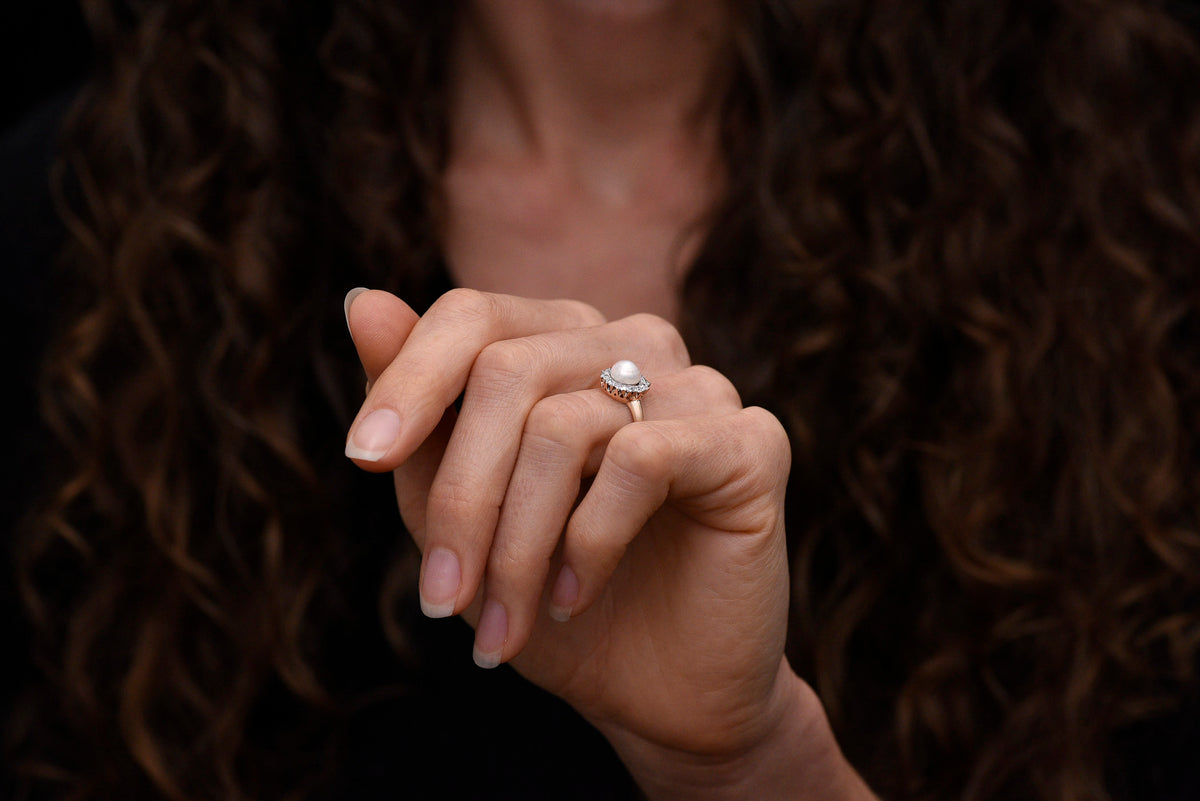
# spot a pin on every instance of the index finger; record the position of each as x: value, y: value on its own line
x: 432, y: 368
x: 379, y: 324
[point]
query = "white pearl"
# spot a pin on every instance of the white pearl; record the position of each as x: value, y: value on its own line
x: 625, y: 372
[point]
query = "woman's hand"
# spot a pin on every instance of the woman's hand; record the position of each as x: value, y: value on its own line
x: 638, y: 570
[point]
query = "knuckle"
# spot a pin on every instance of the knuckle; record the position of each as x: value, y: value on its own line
x: 452, y: 499
x: 642, y: 453
x: 507, y: 361
x: 505, y: 561
x: 717, y: 391
x: 587, y: 314
x: 559, y: 420
x: 764, y: 428
x: 464, y: 306
x: 598, y: 553
x: 662, y: 331
x: 515, y: 570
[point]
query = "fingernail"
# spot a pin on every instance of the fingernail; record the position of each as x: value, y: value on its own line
x: 372, y: 438
x: 564, y: 595
x: 439, y: 583
x: 350, y: 296
x: 490, y: 635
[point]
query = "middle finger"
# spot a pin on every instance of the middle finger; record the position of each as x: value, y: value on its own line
x: 507, y: 380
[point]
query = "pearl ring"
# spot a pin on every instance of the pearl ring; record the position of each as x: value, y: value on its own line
x: 625, y: 382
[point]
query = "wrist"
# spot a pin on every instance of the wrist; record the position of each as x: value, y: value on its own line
x: 793, y: 755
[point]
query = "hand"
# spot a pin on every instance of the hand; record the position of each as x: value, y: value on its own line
x: 670, y: 571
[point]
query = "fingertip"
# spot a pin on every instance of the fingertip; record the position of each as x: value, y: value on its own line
x: 436, y: 611
x: 441, y: 581
x: 485, y: 661
x: 490, y: 635
x: 565, y: 595
x: 348, y: 302
x: 373, y: 436
x: 379, y: 324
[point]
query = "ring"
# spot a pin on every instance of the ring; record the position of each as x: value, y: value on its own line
x: 625, y: 382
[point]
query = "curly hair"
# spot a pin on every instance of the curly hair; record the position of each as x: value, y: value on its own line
x: 975, y: 231
x: 967, y: 249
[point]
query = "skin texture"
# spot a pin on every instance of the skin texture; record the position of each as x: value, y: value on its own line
x: 674, y: 646
x: 955, y: 255
x: 584, y: 148
x: 637, y: 571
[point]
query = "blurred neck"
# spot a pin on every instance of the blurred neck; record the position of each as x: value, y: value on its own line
x: 578, y: 80
x: 585, y: 148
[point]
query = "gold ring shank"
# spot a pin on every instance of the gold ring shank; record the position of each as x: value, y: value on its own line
x: 635, y: 409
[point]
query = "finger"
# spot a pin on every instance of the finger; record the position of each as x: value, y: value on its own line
x: 413, y: 480
x: 505, y: 383
x: 563, y: 432
x: 379, y: 324
x: 424, y: 379
x: 563, y: 442
x: 729, y: 472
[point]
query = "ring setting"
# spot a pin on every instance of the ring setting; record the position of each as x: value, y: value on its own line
x: 625, y: 382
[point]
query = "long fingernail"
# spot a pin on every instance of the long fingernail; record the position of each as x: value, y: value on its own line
x: 439, y: 583
x: 350, y: 296
x: 372, y: 438
x: 565, y: 594
x: 490, y: 635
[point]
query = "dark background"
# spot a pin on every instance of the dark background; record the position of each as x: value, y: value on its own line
x: 44, y: 49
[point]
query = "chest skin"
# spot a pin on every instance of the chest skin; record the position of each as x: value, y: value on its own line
x: 621, y: 245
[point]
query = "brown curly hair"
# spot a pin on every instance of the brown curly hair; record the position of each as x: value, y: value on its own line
x: 962, y: 242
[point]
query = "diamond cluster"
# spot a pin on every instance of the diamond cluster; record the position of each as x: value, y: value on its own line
x: 623, y: 391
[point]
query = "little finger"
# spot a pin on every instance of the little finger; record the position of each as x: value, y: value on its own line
x: 726, y: 474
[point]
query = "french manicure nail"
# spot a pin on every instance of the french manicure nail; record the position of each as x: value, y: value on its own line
x: 350, y: 296
x: 490, y: 635
x: 565, y: 594
x: 440, y: 583
x: 372, y: 438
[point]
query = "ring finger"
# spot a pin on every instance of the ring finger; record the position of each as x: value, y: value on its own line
x: 507, y: 380
x: 563, y: 442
